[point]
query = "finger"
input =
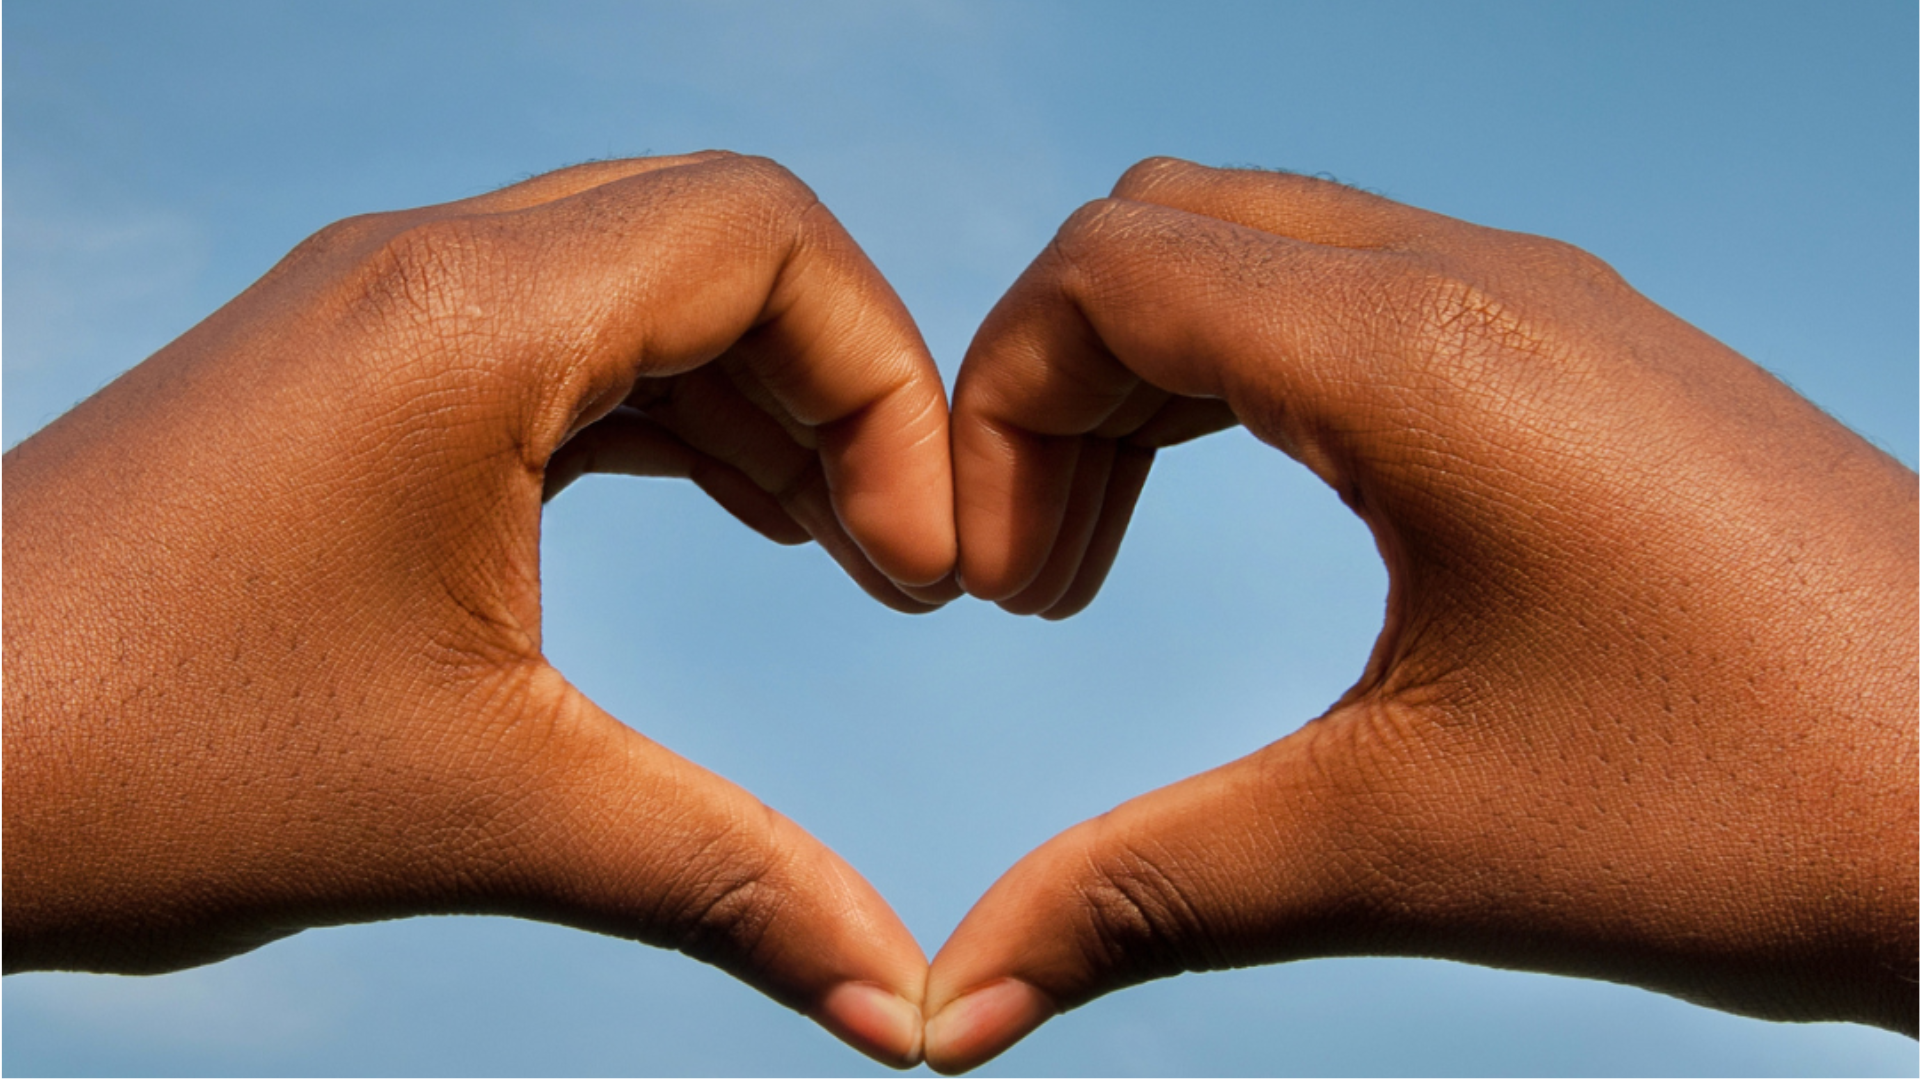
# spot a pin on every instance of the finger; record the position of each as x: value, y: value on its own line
x: 809, y: 503
x: 1292, y: 338
x: 941, y: 592
x: 613, y: 833
x: 1014, y: 459
x: 724, y: 412
x: 1128, y: 476
x: 627, y: 443
x: 1181, y: 420
x: 658, y: 273
x: 561, y: 183
x: 361, y: 235
x: 1095, y: 519
x: 697, y: 426
x: 1231, y: 867
x: 884, y: 445
x: 1316, y: 210
x: 1081, y: 512
x: 707, y: 410
x: 1176, y: 421
x: 705, y: 430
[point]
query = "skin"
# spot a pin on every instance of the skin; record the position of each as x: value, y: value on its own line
x: 1643, y: 707
x: 273, y: 603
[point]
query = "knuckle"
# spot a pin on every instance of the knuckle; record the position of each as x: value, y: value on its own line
x: 1090, y: 225
x: 1453, y: 320
x: 1149, y: 173
x: 425, y: 271
x: 766, y: 178
x: 347, y: 236
x: 729, y: 922
x: 1577, y: 264
x: 726, y: 901
x: 1139, y: 921
x: 1087, y: 218
x: 759, y: 198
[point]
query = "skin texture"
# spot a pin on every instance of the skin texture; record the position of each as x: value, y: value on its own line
x: 273, y: 603
x: 1643, y: 707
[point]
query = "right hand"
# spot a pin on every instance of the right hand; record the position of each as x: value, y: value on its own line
x: 1643, y: 707
x: 273, y: 650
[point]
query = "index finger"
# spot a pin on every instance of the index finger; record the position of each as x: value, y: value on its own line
x: 660, y: 271
x: 1135, y: 299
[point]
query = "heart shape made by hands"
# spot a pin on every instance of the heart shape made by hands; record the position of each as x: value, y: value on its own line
x: 1397, y: 355
x: 1571, y: 728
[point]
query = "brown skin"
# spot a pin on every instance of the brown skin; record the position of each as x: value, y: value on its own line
x: 273, y: 601
x: 1643, y: 709
x: 1644, y: 706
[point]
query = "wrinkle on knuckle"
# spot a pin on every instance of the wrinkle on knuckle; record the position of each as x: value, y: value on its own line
x: 1139, y: 921
x: 766, y: 181
x: 441, y: 314
x: 1145, y: 175
x: 1561, y: 260
x: 725, y: 902
x: 347, y: 235
x: 1100, y: 246
x: 1086, y: 229
x: 425, y: 278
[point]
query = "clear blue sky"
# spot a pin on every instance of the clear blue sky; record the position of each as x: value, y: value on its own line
x: 1751, y: 166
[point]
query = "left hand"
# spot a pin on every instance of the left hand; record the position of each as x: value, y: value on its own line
x: 1642, y: 707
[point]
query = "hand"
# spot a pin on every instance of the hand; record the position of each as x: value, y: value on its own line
x: 1643, y: 708
x: 273, y: 652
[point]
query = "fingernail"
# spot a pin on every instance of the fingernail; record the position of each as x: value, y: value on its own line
x: 983, y: 1022
x: 875, y: 1021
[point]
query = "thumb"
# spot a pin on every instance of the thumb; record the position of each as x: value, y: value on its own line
x: 624, y: 837
x: 1228, y: 868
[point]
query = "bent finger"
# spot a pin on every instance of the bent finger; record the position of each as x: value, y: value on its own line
x: 1124, y: 483
x: 627, y: 443
x: 1275, y: 331
x: 561, y: 183
x: 1081, y: 515
x: 1309, y: 208
x: 658, y: 273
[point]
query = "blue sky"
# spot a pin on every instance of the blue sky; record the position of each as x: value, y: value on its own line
x: 1750, y: 166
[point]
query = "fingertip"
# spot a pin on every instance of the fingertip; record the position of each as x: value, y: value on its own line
x: 906, y: 531
x: 940, y: 593
x: 894, y: 598
x: 1008, y: 530
x: 1063, y: 611
x: 983, y: 1023
x: 923, y: 567
x: 985, y: 581
x: 875, y: 1021
x: 892, y: 486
